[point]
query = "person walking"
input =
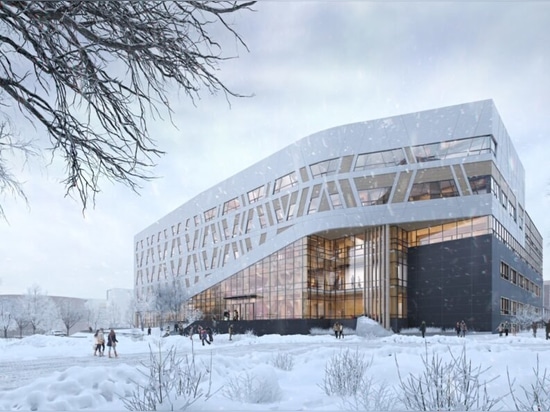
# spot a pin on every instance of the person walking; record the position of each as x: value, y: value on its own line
x: 149, y: 331
x: 204, y: 336
x: 99, y: 342
x: 423, y: 328
x: 534, y: 326
x: 230, y: 331
x: 457, y: 329
x: 506, y: 328
x: 336, y: 329
x: 235, y: 315
x: 547, y: 328
x: 340, y: 330
x: 111, y: 342
x: 463, y: 329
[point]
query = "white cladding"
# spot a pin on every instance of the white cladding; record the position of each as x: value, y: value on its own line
x: 431, y: 126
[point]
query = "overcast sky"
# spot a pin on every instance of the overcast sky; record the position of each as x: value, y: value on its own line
x: 310, y: 66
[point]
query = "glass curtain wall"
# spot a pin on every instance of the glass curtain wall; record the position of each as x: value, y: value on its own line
x: 316, y: 278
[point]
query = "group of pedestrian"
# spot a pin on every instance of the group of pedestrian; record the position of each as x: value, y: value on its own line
x: 205, y: 334
x: 226, y: 315
x: 99, y: 343
x: 338, y: 329
x: 461, y: 329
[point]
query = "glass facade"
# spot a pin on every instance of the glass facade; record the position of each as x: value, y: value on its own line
x: 316, y: 277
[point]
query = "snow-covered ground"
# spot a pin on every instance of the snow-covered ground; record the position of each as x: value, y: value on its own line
x: 85, y: 382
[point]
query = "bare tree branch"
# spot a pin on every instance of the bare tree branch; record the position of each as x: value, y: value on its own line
x: 92, y: 72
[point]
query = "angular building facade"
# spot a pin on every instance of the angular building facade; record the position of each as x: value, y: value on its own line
x: 403, y: 219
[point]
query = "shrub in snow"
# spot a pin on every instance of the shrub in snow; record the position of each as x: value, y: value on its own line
x: 171, y: 382
x: 446, y: 386
x: 536, y: 397
x: 259, y: 385
x: 370, y: 396
x: 344, y: 373
x: 283, y: 361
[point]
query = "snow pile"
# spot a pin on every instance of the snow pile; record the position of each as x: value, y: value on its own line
x: 366, y: 327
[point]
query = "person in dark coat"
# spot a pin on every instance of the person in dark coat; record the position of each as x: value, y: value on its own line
x: 547, y: 325
x: 423, y: 328
x: 111, y: 342
x: 204, y: 336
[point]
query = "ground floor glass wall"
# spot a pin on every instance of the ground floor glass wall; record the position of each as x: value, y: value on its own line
x: 317, y: 278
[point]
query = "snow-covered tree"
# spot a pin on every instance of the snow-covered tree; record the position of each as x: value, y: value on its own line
x: 43, y: 312
x: 6, y: 317
x: 91, y: 74
x: 21, y: 315
x: 114, y: 314
x: 169, y: 299
x: 95, y: 314
x: 526, y: 315
x: 70, y: 314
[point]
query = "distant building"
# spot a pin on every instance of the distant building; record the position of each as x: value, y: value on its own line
x: 417, y: 217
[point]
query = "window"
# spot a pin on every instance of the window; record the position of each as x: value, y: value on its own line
x: 455, y: 148
x: 210, y: 214
x: 279, y: 212
x: 284, y: 182
x: 325, y: 168
x: 480, y: 184
x: 512, y: 210
x: 385, y: 158
x: 231, y: 205
x: 250, y: 222
x: 433, y: 190
x: 504, y: 271
x: 505, y: 306
x: 376, y: 196
x: 262, y: 217
x: 256, y: 194
x: 315, y: 199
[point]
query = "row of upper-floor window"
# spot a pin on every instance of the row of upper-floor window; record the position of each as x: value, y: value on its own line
x: 393, y: 157
x: 368, y: 197
x: 513, y: 276
x: 474, y: 227
x: 514, y: 308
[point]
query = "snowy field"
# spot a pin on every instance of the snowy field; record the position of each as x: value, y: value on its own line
x: 271, y: 372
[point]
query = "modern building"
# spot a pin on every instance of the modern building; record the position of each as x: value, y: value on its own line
x: 546, y: 300
x: 414, y: 217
